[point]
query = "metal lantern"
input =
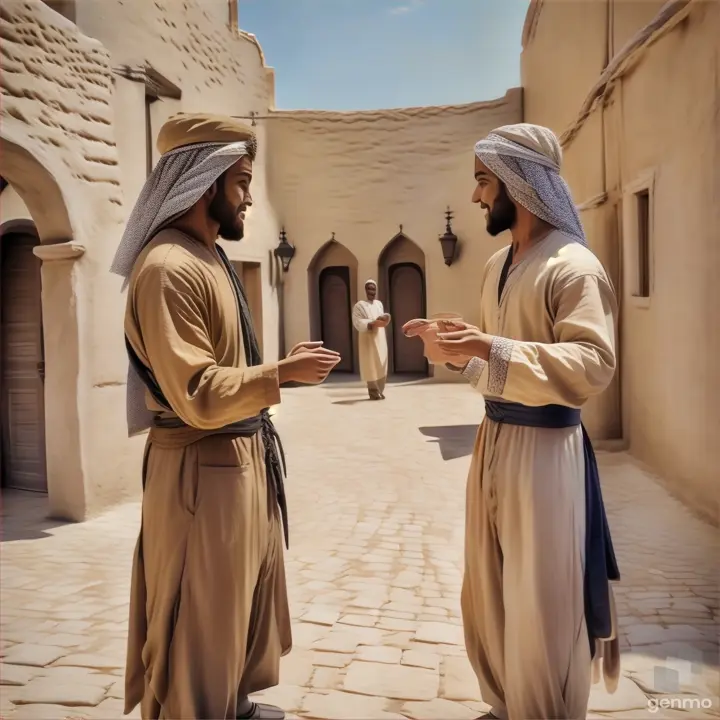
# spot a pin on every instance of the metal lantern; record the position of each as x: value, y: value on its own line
x: 285, y: 251
x: 449, y: 240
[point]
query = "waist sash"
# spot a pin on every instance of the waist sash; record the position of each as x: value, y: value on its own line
x: 600, y: 563
x: 275, y: 467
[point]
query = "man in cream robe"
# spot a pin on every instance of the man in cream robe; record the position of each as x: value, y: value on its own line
x: 370, y: 320
x: 536, y: 600
x: 209, y: 617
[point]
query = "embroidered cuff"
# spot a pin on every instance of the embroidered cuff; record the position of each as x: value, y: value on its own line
x: 474, y: 370
x: 499, y: 363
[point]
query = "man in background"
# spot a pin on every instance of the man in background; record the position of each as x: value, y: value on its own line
x: 370, y: 320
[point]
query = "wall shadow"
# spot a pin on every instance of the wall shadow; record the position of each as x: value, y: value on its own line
x: 455, y: 441
x: 24, y: 516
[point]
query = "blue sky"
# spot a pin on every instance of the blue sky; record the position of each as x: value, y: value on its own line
x: 369, y: 54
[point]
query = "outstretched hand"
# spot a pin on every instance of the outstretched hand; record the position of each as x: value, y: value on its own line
x: 311, y: 346
x: 308, y: 363
x: 448, y: 326
x: 463, y: 345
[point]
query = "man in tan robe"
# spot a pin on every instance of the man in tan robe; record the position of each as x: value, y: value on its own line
x: 370, y: 320
x: 536, y: 600
x: 209, y: 616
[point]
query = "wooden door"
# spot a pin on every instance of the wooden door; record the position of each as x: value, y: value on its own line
x: 335, y: 314
x: 22, y: 395
x: 407, y: 301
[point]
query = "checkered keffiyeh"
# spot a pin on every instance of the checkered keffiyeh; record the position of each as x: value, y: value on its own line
x: 179, y: 180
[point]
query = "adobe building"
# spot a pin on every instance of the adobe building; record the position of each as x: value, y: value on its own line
x: 629, y: 86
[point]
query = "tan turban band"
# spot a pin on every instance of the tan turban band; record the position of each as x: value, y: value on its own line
x: 190, y: 129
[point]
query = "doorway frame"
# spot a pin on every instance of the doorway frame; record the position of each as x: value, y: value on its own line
x: 390, y: 272
x: 347, y: 278
x: 28, y: 228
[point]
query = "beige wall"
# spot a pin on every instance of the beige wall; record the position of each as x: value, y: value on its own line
x: 659, y: 129
x: 83, y: 129
x: 59, y: 155
x: 363, y: 174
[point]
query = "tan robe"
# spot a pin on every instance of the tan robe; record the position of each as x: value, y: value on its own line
x: 372, y: 344
x: 522, y: 597
x: 209, y: 615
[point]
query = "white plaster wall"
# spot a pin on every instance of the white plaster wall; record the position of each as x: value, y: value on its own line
x: 12, y: 206
x: 362, y: 174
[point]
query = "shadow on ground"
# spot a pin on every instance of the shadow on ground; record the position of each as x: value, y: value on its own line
x: 455, y: 441
x: 24, y: 516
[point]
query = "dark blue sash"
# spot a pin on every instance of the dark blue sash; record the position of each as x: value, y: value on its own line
x: 600, y: 563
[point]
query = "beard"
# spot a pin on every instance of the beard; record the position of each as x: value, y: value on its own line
x: 502, y: 215
x: 227, y: 217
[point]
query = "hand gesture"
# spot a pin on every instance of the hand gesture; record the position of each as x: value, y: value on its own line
x: 413, y: 328
x: 447, y: 326
x: 308, y: 363
x: 309, y: 346
x: 463, y: 345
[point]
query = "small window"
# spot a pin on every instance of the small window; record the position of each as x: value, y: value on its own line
x: 642, y: 206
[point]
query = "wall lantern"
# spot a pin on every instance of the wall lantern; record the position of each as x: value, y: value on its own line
x: 285, y: 251
x: 448, y: 241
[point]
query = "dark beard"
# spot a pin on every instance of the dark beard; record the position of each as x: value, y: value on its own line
x: 503, y: 214
x: 227, y: 217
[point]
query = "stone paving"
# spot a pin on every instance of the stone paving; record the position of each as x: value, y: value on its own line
x: 376, y: 494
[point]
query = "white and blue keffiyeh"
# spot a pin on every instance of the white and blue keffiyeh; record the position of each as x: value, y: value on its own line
x: 529, y: 166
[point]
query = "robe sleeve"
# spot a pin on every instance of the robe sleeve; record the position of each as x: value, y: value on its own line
x: 580, y: 364
x: 360, y: 321
x: 172, y: 309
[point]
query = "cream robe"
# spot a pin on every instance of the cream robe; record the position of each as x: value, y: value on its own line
x: 522, y: 597
x: 209, y: 615
x: 372, y: 344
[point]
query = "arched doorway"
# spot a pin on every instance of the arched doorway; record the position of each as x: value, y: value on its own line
x: 402, y: 289
x: 332, y: 288
x: 22, y: 365
x: 57, y: 464
x: 406, y: 302
x: 335, y: 314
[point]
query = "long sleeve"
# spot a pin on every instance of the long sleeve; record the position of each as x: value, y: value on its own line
x: 580, y: 364
x: 359, y: 319
x: 172, y: 312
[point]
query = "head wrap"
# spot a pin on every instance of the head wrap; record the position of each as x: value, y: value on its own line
x: 527, y: 160
x: 371, y: 282
x: 197, y: 150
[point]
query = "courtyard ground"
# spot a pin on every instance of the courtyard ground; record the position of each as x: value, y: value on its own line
x: 376, y: 494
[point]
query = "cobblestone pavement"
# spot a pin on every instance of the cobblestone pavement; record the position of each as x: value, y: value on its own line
x: 376, y: 494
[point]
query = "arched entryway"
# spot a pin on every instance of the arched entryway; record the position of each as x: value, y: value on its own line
x: 402, y: 290
x: 40, y: 333
x: 336, y: 314
x: 22, y: 364
x: 406, y: 301
x: 332, y: 287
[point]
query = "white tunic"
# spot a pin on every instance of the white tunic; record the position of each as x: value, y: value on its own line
x: 373, y: 350
x: 522, y: 599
